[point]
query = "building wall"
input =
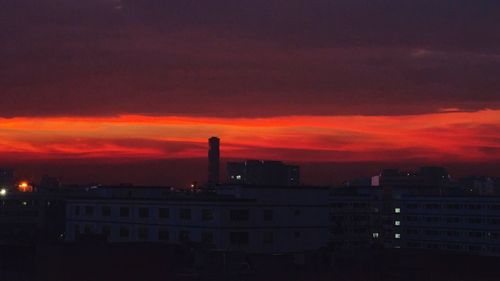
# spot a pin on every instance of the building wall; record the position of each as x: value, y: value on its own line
x: 467, y: 224
x: 250, y: 225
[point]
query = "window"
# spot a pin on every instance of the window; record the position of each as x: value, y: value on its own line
x: 432, y: 206
x: 163, y: 213
x: 183, y: 235
x: 475, y: 234
x: 397, y: 235
x: 143, y: 213
x: 432, y: 219
x: 474, y: 220
x: 296, y: 212
x: 268, y: 215
x: 238, y: 215
x: 185, y: 214
x: 124, y: 212
x: 106, y: 211
x: 296, y: 234
x: 89, y: 211
x: 207, y: 214
x: 238, y: 238
x: 77, y: 210
x: 77, y: 229
x: 412, y: 231
x: 268, y: 237
x: 474, y: 207
x: 106, y: 230
x: 87, y: 229
x: 411, y: 218
x: 375, y: 235
x: 432, y: 232
x: 124, y: 232
x: 414, y: 244
x: 397, y: 210
x: 143, y: 233
x: 397, y: 223
x: 207, y: 237
x: 163, y: 235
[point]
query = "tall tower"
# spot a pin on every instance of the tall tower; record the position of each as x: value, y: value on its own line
x: 213, y: 161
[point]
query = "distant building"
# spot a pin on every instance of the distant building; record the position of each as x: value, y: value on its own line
x: 213, y: 161
x: 477, y: 185
x: 259, y: 172
x: 373, y: 217
x: 6, y: 178
x: 233, y: 218
x: 26, y: 218
x: 424, y: 179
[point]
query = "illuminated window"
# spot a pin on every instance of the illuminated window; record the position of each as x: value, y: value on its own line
x: 397, y: 210
x: 238, y: 177
x: 397, y: 235
x: 375, y: 235
x: 397, y: 223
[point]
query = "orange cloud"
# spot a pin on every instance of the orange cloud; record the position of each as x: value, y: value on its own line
x: 456, y: 136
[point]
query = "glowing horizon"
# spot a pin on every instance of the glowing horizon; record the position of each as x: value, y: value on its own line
x: 445, y: 136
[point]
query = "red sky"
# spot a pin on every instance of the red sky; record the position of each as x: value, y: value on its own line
x: 446, y: 136
x: 302, y: 81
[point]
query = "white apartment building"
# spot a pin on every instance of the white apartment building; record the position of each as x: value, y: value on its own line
x: 233, y: 218
x: 467, y: 224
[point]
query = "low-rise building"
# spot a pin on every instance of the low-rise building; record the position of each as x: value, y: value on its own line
x: 233, y: 218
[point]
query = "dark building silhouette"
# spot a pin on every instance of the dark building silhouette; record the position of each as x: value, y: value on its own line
x: 424, y: 178
x: 213, y: 160
x: 6, y: 177
x: 260, y: 172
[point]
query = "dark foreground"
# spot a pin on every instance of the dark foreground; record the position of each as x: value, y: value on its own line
x: 159, y: 262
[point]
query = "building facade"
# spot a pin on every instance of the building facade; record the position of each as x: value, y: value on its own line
x: 235, y: 218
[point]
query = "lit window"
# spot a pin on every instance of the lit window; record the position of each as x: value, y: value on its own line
x: 397, y: 235
x: 375, y: 235
x: 397, y: 223
x: 238, y: 177
x: 397, y: 210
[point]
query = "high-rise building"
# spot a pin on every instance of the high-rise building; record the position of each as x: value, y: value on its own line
x: 213, y: 160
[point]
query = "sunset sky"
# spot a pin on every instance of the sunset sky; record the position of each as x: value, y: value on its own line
x: 301, y: 81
